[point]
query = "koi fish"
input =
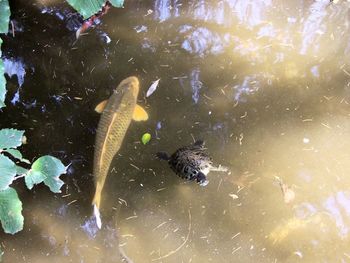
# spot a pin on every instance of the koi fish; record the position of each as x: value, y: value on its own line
x: 117, y: 113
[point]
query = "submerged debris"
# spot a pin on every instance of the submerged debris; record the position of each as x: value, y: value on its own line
x: 152, y: 88
x: 183, y: 243
x: 233, y: 196
x: 288, y: 193
x: 93, y: 19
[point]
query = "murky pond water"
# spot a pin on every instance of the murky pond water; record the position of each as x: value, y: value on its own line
x: 264, y: 83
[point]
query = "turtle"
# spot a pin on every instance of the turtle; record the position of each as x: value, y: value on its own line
x: 191, y: 162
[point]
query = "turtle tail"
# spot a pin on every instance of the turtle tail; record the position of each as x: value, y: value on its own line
x: 163, y: 156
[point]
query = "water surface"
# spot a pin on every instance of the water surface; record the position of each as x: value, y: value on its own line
x: 264, y: 83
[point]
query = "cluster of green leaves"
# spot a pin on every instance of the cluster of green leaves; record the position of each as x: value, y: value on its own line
x: 46, y: 169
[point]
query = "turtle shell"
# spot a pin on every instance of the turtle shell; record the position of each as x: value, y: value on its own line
x: 189, y: 161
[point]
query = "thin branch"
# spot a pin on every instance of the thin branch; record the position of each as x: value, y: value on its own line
x: 185, y: 241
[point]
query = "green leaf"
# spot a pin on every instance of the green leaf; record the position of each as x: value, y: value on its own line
x: 146, y: 138
x: 46, y: 169
x: 7, y: 172
x: 17, y: 154
x: 10, y: 211
x: 86, y: 8
x: 20, y: 170
x: 2, y: 79
x: 10, y: 138
x: 33, y: 178
x: 4, y: 16
x: 117, y: 3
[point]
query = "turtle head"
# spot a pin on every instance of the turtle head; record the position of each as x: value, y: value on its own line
x: 201, y: 179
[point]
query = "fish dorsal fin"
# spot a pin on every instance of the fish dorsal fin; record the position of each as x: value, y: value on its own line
x: 139, y: 114
x: 101, y: 106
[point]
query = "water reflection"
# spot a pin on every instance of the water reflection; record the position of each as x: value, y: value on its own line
x: 15, y: 67
x: 314, y: 26
x: 279, y: 40
x: 196, y: 85
x: 334, y: 205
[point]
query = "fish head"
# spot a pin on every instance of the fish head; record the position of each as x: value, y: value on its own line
x: 130, y: 84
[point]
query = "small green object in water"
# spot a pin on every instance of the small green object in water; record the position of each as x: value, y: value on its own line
x: 146, y: 138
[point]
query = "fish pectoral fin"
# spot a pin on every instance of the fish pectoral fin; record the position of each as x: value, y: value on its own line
x: 139, y: 114
x: 101, y: 106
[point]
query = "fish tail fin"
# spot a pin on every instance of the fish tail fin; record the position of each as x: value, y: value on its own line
x: 96, y: 204
x: 97, y: 216
x: 163, y: 156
